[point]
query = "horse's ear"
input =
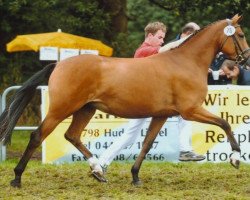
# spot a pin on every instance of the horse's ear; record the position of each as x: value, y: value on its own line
x: 237, y: 18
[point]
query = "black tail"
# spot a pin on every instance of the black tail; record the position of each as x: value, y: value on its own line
x: 20, y: 100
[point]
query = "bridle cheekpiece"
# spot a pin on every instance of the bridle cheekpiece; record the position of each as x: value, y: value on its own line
x: 230, y: 31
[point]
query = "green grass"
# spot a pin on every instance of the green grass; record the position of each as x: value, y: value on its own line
x: 19, y: 141
x: 160, y: 181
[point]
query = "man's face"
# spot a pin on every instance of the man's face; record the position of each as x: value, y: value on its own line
x: 157, y: 39
x: 231, y: 73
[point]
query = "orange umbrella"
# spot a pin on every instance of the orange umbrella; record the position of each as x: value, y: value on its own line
x: 32, y: 42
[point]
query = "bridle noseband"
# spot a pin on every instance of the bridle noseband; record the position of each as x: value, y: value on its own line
x: 240, y: 58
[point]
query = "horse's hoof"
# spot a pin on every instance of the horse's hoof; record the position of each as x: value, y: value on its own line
x: 136, y: 183
x: 15, y: 183
x: 99, y: 177
x: 235, y: 163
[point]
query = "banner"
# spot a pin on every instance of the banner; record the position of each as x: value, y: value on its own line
x: 89, y: 51
x: 48, y: 53
x: 229, y: 102
x: 67, y: 53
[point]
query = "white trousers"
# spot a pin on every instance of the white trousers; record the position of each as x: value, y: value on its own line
x: 185, y: 134
x: 132, y: 132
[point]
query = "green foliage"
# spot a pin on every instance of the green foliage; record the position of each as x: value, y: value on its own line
x: 177, y: 13
x: 83, y: 18
x: 205, y: 7
x: 19, y: 142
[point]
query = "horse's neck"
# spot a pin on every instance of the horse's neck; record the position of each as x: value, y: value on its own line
x: 203, y: 46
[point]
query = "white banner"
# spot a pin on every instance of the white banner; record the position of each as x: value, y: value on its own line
x: 48, y: 53
x: 67, y: 53
x: 88, y: 51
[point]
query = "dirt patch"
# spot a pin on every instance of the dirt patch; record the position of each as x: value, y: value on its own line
x: 18, y: 155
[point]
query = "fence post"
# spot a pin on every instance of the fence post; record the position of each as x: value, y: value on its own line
x: 3, y: 99
x: 1, y: 152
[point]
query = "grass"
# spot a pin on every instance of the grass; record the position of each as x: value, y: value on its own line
x: 19, y: 141
x: 161, y: 180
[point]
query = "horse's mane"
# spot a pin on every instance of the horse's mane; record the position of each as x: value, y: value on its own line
x: 194, y: 34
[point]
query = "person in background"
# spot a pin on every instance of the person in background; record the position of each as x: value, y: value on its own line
x: 235, y: 72
x: 215, y: 66
x: 187, y: 30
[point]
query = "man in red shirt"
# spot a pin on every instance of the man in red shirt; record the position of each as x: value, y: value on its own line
x: 154, y: 37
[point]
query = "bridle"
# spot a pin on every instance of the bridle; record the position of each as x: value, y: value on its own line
x: 240, y: 58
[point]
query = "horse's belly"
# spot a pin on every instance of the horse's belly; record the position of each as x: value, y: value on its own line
x: 127, y: 111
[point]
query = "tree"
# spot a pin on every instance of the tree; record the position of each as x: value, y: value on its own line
x: 205, y: 11
x: 176, y: 13
x: 83, y: 18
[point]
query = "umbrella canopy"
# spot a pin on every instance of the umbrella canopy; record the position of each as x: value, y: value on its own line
x: 32, y: 42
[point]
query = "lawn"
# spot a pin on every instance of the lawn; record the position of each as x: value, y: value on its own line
x: 161, y: 180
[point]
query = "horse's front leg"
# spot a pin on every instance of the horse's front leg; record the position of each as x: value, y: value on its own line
x: 154, y: 128
x: 202, y: 115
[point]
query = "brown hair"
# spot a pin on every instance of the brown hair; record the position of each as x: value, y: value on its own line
x: 153, y: 27
x: 229, y: 64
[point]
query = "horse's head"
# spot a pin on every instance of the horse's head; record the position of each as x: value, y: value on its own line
x: 233, y: 41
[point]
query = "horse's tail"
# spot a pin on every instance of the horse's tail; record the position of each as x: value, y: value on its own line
x: 20, y: 100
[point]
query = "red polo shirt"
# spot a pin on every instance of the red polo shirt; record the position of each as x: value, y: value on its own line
x: 146, y: 50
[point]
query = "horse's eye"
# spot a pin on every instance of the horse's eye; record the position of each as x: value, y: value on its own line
x: 241, y: 35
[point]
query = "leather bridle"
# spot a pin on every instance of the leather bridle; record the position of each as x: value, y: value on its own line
x: 241, y: 58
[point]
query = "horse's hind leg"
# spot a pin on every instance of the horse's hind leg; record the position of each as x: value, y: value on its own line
x: 36, y: 139
x: 202, y: 115
x: 80, y: 120
x: 154, y: 128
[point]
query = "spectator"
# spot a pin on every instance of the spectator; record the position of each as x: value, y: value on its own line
x: 187, y: 31
x: 235, y: 72
x: 215, y: 66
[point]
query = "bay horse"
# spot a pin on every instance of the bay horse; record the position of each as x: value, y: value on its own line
x: 160, y: 86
